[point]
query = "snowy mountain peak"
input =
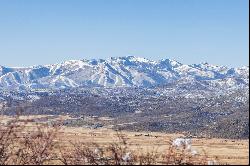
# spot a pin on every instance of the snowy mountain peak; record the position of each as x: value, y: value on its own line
x: 140, y: 60
x: 170, y: 63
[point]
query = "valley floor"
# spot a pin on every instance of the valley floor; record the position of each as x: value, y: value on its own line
x: 226, y: 151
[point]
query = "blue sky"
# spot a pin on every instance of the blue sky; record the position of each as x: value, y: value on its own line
x: 190, y: 31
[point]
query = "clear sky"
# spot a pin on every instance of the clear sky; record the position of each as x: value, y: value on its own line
x: 189, y: 31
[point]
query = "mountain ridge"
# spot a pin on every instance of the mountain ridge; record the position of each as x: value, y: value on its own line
x: 129, y: 71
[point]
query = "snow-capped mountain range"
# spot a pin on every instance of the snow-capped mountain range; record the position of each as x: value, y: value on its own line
x: 127, y: 71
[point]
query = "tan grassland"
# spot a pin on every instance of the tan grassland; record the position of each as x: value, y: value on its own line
x: 225, y: 151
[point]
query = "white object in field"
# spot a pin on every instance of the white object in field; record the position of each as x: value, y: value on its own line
x: 194, y: 152
x: 211, y: 162
x: 189, y: 147
x: 187, y: 143
x: 181, y: 142
x: 127, y: 157
x: 97, y: 151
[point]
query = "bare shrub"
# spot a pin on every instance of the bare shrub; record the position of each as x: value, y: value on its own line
x: 8, y: 135
x: 21, y: 146
x: 182, y: 156
x: 37, y: 147
x: 84, y: 153
x: 148, y: 158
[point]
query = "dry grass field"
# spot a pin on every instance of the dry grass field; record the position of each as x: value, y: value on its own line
x: 224, y: 151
